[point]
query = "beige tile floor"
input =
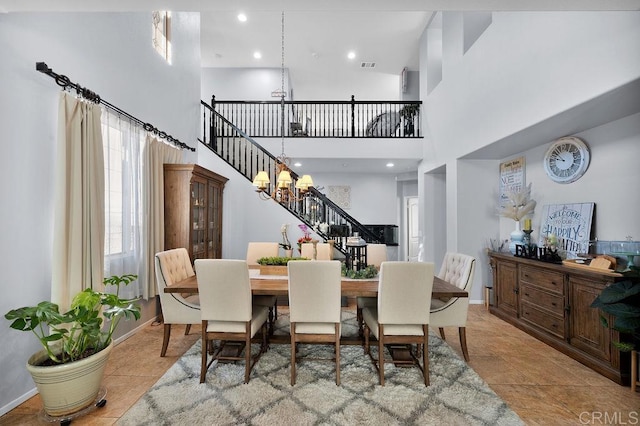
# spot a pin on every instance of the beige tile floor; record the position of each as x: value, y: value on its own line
x: 539, y: 383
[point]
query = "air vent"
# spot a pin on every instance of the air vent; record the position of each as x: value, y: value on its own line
x: 367, y: 65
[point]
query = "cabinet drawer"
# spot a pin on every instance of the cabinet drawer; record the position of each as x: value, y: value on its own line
x: 551, y: 302
x: 542, y: 319
x: 550, y: 280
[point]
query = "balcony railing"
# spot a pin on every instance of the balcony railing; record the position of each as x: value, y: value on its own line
x: 323, y: 119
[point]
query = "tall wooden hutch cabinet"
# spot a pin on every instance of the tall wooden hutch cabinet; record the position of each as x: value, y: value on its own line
x: 193, y: 210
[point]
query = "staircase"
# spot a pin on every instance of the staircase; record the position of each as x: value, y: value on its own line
x: 248, y: 157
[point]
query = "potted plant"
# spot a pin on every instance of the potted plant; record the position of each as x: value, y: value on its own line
x: 75, y: 345
x: 621, y: 300
x: 408, y: 112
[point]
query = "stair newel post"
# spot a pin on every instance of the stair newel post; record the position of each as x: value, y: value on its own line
x: 212, y: 124
x: 353, y: 116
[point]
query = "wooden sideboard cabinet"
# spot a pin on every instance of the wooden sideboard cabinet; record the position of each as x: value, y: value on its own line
x: 193, y: 210
x: 552, y: 303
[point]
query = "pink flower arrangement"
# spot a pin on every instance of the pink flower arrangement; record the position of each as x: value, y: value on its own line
x: 307, y: 235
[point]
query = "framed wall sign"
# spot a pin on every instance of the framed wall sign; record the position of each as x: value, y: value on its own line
x: 341, y: 195
x: 512, y: 178
x: 570, y: 223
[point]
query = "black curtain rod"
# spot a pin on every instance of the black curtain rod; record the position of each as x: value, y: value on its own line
x: 65, y: 83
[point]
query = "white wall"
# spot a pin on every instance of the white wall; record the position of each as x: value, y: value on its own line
x: 111, y: 54
x: 529, y: 78
x: 242, y: 84
x: 610, y: 181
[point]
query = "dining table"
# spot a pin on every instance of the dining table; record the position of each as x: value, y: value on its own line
x: 278, y: 285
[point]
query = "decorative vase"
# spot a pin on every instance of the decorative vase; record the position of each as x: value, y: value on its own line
x: 516, y: 238
x: 288, y: 253
x: 68, y: 388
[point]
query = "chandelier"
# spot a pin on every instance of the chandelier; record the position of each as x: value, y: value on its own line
x: 283, y: 191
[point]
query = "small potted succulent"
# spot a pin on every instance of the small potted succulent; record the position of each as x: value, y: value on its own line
x: 77, y: 340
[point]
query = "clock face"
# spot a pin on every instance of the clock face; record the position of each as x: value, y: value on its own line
x: 566, y: 160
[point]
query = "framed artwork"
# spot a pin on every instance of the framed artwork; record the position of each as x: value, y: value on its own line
x: 570, y: 223
x: 512, y: 178
x: 341, y: 195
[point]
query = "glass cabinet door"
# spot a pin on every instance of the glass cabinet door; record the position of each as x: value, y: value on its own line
x: 214, y: 225
x: 198, y: 219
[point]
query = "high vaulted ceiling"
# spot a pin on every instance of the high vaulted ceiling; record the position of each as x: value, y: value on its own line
x: 318, y: 35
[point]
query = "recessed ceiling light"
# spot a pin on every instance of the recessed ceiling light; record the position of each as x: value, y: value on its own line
x: 390, y: 164
x: 242, y: 17
x: 351, y: 55
x: 297, y: 164
x: 257, y: 55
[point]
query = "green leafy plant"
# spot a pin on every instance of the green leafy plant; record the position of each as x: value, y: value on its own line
x: 362, y: 274
x: 77, y: 333
x: 409, y: 111
x: 621, y: 300
x: 278, y: 260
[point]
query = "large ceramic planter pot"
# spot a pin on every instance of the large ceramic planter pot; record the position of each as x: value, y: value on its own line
x: 68, y: 388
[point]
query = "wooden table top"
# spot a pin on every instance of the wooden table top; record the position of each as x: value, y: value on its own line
x: 277, y: 285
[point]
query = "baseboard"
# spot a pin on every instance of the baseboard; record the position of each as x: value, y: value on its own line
x: 16, y: 402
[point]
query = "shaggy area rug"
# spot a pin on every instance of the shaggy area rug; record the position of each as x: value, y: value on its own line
x: 456, y: 396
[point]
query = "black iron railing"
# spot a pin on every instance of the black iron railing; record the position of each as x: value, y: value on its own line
x: 323, y: 119
x: 248, y: 157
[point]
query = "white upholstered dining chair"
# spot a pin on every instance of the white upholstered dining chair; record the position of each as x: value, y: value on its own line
x: 315, y: 306
x: 172, y: 266
x: 306, y: 250
x: 376, y: 254
x: 322, y: 251
x: 227, y: 312
x: 457, y: 269
x: 400, y: 316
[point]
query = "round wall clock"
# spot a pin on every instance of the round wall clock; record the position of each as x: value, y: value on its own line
x: 566, y: 160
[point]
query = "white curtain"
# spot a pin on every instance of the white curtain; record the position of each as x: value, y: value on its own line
x: 155, y: 154
x: 78, y: 238
x: 123, y: 142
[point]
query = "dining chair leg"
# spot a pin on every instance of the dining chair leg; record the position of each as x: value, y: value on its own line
x: 360, y: 321
x: 337, y: 354
x: 205, y: 347
x: 463, y: 342
x: 381, y: 353
x: 367, y: 333
x: 187, y: 329
x: 425, y: 355
x: 271, y: 320
x: 247, y: 352
x: 442, y: 333
x: 165, y: 339
x: 293, y: 354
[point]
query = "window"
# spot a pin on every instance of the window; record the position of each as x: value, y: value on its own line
x: 161, y: 36
x: 122, y: 145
